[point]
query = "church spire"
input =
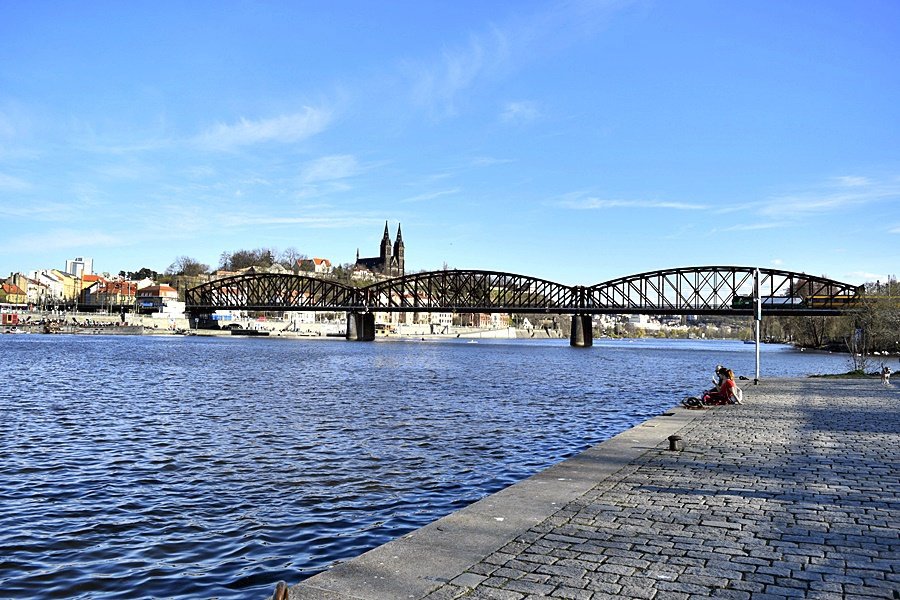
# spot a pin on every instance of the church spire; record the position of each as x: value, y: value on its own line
x: 387, y: 252
x: 400, y: 252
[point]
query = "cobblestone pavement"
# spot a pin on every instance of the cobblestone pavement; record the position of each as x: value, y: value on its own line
x: 792, y: 495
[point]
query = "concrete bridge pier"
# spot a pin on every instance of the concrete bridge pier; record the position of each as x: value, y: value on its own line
x: 367, y: 327
x: 582, y: 335
x: 360, y: 327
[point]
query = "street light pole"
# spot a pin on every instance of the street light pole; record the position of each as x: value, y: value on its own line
x: 757, y: 305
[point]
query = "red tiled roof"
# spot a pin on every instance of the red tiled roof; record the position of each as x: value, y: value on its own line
x: 11, y: 288
x: 120, y: 287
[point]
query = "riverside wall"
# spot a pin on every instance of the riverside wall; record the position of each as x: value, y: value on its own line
x: 791, y: 495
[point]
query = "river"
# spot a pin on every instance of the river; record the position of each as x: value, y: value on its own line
x: 194, y: 467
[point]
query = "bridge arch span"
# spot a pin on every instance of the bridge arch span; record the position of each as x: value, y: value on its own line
x: 272, y: 292
x: 691, y: 290
x: 472, y: 291
x: 721, y: 289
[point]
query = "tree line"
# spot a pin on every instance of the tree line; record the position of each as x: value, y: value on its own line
x: 237, y: 260
x: 190, y: 270
x: 872, y: 327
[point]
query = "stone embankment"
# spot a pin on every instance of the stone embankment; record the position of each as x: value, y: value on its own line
x: 167, y: 324
x: 792, y: 495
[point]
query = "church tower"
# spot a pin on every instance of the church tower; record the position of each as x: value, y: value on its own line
x: 387, y: 251
x: 391, y: 259
x: 399, y: 252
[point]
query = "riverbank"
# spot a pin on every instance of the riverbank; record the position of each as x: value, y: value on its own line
x: 792, y: 494
x: 160, y: 324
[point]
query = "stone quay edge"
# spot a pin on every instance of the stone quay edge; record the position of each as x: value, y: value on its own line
x: 793, y: 494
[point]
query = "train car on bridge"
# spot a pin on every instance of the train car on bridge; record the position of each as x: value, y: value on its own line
x: 788, y: 302
x: 834, y: 302
x: 772, y: 301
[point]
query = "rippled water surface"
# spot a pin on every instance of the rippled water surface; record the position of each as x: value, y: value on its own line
x: 199, y: 467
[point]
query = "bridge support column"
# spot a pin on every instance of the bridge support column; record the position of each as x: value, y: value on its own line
x: 360, y: 327
x: 352, y: 331
x: 367, y: 327
x: 582, y: 335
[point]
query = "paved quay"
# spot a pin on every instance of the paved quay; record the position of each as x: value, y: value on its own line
x: 795, y: 494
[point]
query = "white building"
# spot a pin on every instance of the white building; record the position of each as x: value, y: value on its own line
x: 79, y: 267
x: 55, y: 285
x: 499, y: 320
x: 315, y: 265
x: 38, y: 293
x: 644, y: 322
x: 442, y: 319
x: 302, y: 317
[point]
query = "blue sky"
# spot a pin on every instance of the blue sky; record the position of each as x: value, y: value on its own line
x: 573, y: 141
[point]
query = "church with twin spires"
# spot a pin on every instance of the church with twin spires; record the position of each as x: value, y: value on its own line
x: 390, y: 261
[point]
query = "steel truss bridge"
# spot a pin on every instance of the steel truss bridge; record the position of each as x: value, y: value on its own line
x: 711, y: 290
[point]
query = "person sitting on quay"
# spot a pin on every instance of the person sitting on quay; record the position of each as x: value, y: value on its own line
x: 726, y: 390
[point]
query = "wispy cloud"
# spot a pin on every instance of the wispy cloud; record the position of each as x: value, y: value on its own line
x: 753, y: 226
x: 579, y: 202
x: 861, y: 277
x: 847, y: 192
x: 131, y: 171
x: 336, y: 221
x: 62, y: 239
x: 16, y: 128
x: 282, y: 129
x: 174, y: 220
x: 518, y: 113
x: 42, y: 211
x: 8, y: 183
x: 853, y: 181
x: 330, y: 168
x: 430, y: 196
x: 438, y: 85
x: 796, y: 207
x: 490, y: 161
x: 7, y: 130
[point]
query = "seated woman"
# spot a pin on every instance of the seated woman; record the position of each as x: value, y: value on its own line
x: 726, y: 390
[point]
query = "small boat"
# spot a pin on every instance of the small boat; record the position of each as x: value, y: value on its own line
x: 249, y: 332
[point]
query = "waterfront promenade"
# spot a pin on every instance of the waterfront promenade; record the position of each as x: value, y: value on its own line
x: 792, y: 495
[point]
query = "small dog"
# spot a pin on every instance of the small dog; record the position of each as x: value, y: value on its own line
x: 885, y: 375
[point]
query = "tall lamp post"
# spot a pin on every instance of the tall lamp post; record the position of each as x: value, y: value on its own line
x: 757, y: 314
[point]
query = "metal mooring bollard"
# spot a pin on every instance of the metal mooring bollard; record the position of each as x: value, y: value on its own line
x: 281, y: 591
x: 675, y: 443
